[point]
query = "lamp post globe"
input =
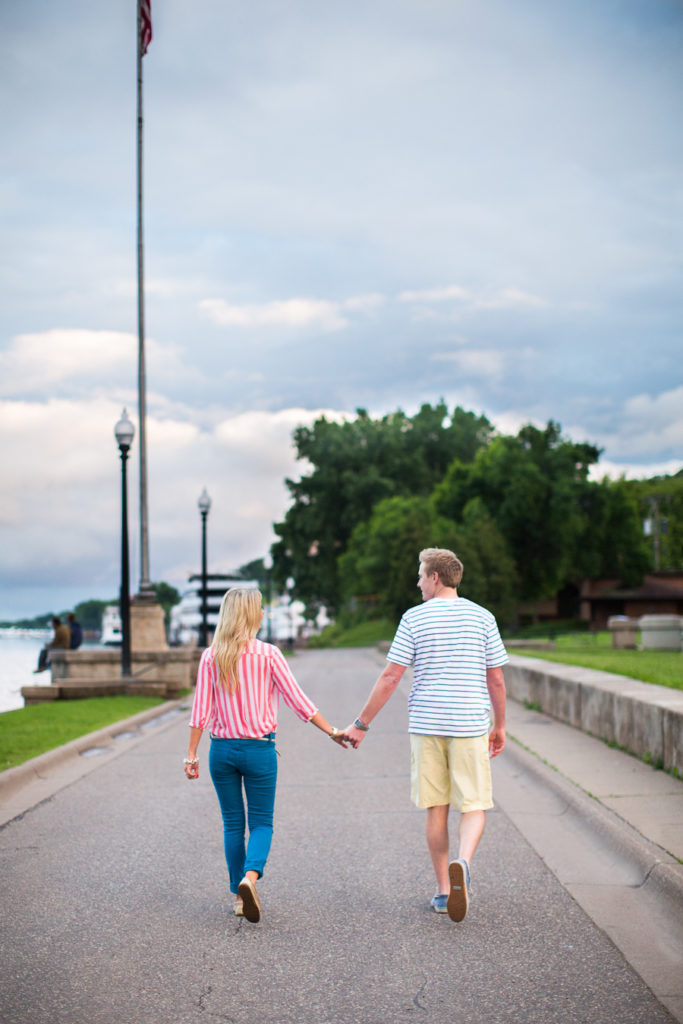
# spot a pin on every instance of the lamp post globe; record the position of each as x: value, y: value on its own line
x: 124, y: 431
x: 204, y: 505
x: 268, y: 566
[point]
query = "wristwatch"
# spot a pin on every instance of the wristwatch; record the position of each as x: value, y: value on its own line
x: 361, y: 725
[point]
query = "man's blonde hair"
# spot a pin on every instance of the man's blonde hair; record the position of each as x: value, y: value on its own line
x: 239, y: 620
x: 443, y: 561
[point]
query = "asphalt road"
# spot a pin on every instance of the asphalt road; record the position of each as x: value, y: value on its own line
x: 116, y: 906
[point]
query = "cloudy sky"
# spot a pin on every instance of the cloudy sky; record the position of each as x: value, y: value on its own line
x: 373, y: 203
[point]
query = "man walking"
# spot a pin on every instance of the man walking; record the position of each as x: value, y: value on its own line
x: 457, y: 653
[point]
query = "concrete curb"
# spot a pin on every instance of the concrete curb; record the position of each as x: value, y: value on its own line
x: 657, y: 867
x: 12, y: 780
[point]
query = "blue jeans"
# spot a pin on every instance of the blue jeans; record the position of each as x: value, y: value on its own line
x: 254, y: 764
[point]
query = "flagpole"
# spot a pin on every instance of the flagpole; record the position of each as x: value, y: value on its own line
x: 145, y: 584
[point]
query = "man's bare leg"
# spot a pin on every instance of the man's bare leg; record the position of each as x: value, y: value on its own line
x: 436, y: 830
x: 470, y: 832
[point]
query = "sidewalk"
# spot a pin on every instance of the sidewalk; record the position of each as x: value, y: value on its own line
x: 118, y: 874
x: 610, y: 828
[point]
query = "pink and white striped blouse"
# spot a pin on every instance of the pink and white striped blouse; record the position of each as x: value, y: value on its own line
x: 251, y: 712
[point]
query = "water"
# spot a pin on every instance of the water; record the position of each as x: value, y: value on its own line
x: 19, y: 652
x: 18, y: 657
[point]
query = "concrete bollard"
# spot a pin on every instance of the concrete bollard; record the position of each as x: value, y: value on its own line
x: 660, y: 632
x: 624, y: 632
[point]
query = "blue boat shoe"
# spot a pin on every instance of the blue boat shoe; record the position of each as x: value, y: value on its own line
x: 438, y: 903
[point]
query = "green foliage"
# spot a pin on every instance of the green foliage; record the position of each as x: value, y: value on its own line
x: 660, y: 501
x: 167, y: 596
x: 256, y: 570
x: 490, y: 576
x: 27, y: 732
x: 89, y: 613
x: 355, y: 465
x: 532, y: 486
x: 610, y: 539
x: 520, y: 511
x: 381, y: 562
x: 37, y: 622
x: 361, y: 634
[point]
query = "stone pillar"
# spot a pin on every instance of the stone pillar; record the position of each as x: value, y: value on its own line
x: 660, y: 632
x: 147, y: 630
x: 624, y: 632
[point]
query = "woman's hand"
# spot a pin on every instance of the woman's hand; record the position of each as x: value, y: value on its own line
x: 191, y: 767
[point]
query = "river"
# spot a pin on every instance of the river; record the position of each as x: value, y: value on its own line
x: 19, y: 650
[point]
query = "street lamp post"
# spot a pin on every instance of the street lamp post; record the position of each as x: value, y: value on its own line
x: 124, y: 432
x: 268, y: 565
x: 204, y: 504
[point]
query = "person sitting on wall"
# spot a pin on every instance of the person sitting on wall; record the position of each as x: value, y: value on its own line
x: 76, y: 631
x: 61, y: 638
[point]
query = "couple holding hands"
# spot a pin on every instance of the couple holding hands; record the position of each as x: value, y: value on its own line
x: 457, y: 654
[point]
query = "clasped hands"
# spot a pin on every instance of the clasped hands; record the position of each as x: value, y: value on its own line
x: 351, y: 735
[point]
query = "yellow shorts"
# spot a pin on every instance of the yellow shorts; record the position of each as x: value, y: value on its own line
x: 451, y: 770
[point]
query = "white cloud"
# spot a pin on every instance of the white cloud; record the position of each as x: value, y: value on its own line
x: 508, y: 298
x: 474, y: 362
x: 288, y: 313
x: 364, y: 303
x: 35, y: 362
x: 324, y: 314
x: 59, y: 504
x: 474, y: 299
x: 45, y: 362
x: 648, y: 425
x: 634, y: 471
x: 449, y: 294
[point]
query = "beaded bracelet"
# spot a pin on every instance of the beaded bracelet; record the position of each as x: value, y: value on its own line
x: 192, y: 760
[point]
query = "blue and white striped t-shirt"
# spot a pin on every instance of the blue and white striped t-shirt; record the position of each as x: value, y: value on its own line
x: 451, y: 642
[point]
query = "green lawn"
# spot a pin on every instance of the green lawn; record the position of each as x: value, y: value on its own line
x: 27, y: 732
x: 594, y: 650
x: 363, y: 634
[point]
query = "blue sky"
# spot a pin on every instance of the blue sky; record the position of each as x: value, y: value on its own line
x: 366, y: 204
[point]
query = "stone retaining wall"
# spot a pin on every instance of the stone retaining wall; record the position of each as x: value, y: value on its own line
x: 172, y: 666
x: 644, y: 719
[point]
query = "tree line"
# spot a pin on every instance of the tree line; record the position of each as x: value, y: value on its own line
x: 89, y: 613
x: 522, y: 513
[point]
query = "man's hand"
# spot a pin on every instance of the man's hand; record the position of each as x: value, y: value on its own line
x: 354, y: 736
x: 496, y: 741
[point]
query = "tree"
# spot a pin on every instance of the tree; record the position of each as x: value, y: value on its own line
x: 611, y: 541
x: 380, y: 566
x: 89, y: 613
x: 660, y: 507
x: 255, y: 570
x: 490, y: 575
x: 167, y: 596
x: 531, y: 485
x: 355, y: 465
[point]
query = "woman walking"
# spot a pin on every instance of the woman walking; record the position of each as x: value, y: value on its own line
x: 239, y: 683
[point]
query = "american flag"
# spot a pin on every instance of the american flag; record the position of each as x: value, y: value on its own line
x: 145, y: 25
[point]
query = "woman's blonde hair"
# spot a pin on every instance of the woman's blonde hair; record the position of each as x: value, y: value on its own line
x: 239, y: 620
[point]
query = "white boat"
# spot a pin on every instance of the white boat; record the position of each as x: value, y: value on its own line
x: 111, y: 626
x: 186, y: 616
x: 283, y: 623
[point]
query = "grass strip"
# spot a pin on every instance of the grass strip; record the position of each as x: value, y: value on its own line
x: 27, y: 732
x: 665, y: 668
x: 362, y: 634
